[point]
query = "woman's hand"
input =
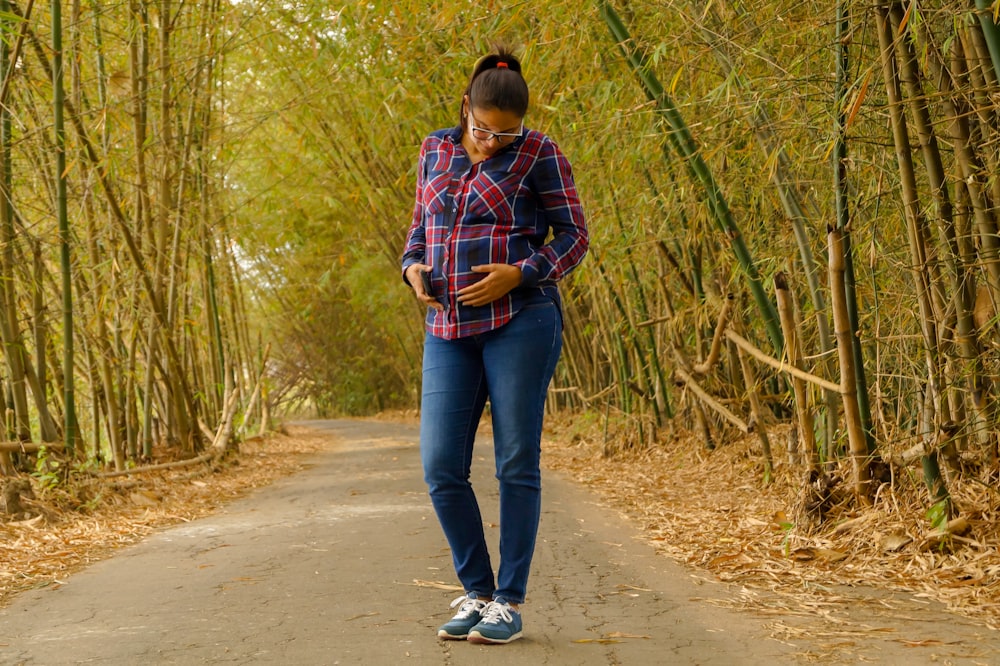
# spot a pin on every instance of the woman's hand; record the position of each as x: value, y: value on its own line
x: 413, y: 277
x: 500, y: 279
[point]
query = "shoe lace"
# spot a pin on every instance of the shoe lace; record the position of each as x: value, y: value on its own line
x: 496, y: 611
x: 468, y: 606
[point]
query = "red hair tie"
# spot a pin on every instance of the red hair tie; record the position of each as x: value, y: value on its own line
x: 502, y: 65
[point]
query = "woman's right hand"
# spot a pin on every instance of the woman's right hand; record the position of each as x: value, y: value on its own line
x: 413, y: 277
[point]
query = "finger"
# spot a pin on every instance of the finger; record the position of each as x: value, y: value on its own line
x: 430, y: 301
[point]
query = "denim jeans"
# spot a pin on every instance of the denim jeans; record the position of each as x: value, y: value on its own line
x: 512, y: 366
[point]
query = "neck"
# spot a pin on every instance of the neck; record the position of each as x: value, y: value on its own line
x: 470, y: 149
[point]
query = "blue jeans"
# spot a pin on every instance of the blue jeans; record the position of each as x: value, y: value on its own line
x: 512, y: 366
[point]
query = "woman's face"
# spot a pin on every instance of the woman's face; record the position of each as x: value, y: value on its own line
x: 492, y: 129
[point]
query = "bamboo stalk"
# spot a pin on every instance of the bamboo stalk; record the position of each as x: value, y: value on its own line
x: 785, y: 299
x: 962, y: 281
x: 124, y: 228
x: 990, y: 32
x: 843, y: 39
x: 69, y: 414
x: 711, y: 402
x: 921, y: 268
x: 792, y: 200
x: 15, y: 356
x: 849, y: 393
x: 756, y: 353
x: 29, y: 447
x: 716, y: 347
x: 965, y: 155
x: 759, y: 422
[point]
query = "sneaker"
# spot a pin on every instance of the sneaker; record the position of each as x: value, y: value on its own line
x: 500, y: 624
x: 469, y: 614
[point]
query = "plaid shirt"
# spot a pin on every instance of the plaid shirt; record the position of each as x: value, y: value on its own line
x: 505, y: 207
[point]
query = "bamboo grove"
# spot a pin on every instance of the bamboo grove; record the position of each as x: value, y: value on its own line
x: 793, y: 213
x: 123, y: 327
x: 913, y: 354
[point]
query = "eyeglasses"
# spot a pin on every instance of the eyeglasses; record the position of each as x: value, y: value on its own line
x: 502, y: 138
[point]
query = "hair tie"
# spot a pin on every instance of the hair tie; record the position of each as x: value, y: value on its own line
x: 502, y: 65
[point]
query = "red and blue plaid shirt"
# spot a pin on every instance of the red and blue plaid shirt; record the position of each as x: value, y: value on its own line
x: 505, y: 208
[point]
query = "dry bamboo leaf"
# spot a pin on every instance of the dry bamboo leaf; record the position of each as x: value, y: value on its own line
x: 437, y: 585
x: 930, y: 642
x: 618, y: 634
x: 803, y: 554
x: 958, y: 526
x: 850, y: 524
x: 144, y: 498
x: 599, y: 641
x: 895, y: 542
x: 624, y: 586
x: 831, y: 555
x: 722, y: 559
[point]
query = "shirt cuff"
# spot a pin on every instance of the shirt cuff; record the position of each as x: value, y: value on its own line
x: 529, y: 274
x: 406, y: 264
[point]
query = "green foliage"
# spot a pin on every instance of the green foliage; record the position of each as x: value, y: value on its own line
x: 49, y: 471
x: 938, y: 516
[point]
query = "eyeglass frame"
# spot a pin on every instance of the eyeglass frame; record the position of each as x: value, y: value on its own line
x: 490, y: 136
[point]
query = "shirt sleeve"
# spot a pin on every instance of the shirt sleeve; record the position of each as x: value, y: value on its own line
x: 415, y: 250
x: 559, y: 202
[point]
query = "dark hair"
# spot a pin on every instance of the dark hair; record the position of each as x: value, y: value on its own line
x: 497, y: 83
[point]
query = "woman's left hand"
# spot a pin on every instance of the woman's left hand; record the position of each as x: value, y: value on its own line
x: 500, y: 279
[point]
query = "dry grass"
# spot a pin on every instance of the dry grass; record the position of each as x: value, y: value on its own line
x: 711, y: 510
x: 68, y: 536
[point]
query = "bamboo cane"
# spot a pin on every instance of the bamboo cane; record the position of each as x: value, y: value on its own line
x: 714, y: 351
x: 759, y: 422
x: 843, y: 39
x: 845, y: 341
x: 990, y: 32
x: 785, y: 299
x: 718, y: 407
x: 10, y: 333
x: 69, y: 414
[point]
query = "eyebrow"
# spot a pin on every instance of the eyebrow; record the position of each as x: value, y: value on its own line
x: 506, y: 131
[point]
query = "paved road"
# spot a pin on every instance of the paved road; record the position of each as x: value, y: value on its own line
x: 340, y: 565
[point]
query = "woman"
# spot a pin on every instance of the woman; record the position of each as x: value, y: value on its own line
x: 489, y: 192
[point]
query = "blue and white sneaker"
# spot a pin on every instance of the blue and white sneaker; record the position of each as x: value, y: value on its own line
x: 469, y: 614
x: 500, y: 624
